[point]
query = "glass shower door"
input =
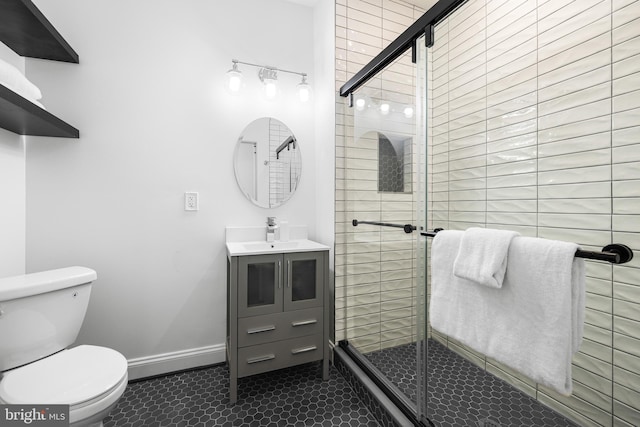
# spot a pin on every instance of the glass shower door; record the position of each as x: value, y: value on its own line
x: 375, y: 266
x: 423, y: 223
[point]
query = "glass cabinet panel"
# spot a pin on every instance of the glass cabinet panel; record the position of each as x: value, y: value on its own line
x: 259, y: 285
x: 303, y: 279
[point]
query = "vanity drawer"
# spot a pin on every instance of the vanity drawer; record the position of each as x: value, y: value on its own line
x: 279, y: 326
x: 280, y: 354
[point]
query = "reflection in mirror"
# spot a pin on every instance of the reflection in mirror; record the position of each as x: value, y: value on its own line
x: 394, y: 160
x: 394, y: 164
x: 267, y: 162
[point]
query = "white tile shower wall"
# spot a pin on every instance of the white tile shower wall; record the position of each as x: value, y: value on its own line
x: 374, y: 267
x: 283, y: 167
x: 535, y: 127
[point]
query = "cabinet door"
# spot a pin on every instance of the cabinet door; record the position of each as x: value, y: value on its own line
x: 304, y: 279
x: 259, y: 285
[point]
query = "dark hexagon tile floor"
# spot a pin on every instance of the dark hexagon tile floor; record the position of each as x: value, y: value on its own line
x: 294, y: 396
x: 398, y: 364
x: 460, y: 393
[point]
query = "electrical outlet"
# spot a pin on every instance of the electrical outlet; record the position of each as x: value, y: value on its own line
x: 191, y: 201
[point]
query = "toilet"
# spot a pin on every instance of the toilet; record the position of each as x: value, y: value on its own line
x: 40, y: 316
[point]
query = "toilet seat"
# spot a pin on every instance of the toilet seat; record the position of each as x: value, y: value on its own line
x: 87, y: 378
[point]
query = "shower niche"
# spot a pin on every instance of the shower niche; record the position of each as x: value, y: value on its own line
x: 394, y: 163
x: 393, y: 160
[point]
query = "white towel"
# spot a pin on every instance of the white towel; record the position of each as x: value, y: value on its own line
x: 483, y: 255
x: 532, y: 324
x: 13, y: 79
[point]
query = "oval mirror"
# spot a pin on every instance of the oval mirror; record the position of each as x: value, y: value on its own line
x: 267, y: 162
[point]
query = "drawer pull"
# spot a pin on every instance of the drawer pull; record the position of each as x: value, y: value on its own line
x: 304, y: 349
x: 259, y: 359
x: 304, y: 322
x: 261, y: 329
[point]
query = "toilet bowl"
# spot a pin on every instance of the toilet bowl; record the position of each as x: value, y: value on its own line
x: 89, y: 379
x: 40, y: 317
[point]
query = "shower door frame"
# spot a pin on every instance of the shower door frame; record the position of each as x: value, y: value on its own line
x: 420, y: 31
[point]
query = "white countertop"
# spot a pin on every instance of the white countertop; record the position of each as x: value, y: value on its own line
x: 260, y: 247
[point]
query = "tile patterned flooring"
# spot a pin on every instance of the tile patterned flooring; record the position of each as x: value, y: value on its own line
x: 295, y: 396
x: 398, y: 364
x: 460, y: 393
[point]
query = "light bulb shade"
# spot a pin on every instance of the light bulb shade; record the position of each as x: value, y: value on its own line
x: 270, y: 88
x: 234, y: 79
x: 304, y: 90
x: 269, y: 77
x: 385, y: 108
x: 361, y: 104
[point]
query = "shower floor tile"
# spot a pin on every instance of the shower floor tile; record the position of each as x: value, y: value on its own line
x: 295, y: 396
x: 460, y: 393
x: 398, y: 364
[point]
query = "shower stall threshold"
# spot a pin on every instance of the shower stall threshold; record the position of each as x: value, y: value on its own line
x: 383, y: 397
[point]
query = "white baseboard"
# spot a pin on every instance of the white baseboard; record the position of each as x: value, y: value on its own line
x: 159, y: 364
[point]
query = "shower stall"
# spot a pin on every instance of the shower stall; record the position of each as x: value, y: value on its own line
x: 506, y: 115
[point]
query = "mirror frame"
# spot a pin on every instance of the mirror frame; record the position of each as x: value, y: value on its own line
x: 263, y: 143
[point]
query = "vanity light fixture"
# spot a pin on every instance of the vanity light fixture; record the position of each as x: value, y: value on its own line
x: 234, y: 77
x: 385, y: 108
x: 269, y: 77
x: 304, y: 90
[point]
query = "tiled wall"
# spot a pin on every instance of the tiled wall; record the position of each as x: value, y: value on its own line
x: 535, y: 127
x: 374, y: 267
x: 391, y: 176
x: 284, y: 168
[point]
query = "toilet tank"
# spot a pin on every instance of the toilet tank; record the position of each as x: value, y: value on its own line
x: 41, y: 313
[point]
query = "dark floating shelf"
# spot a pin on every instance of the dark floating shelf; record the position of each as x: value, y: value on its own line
x: 29, y: 33
x: 25, y: 118
x: 26, y: 30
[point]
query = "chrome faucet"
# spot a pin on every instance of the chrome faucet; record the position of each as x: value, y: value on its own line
x: 272, y: 229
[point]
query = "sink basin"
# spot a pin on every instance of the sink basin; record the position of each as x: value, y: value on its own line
x: 263, y: 247
x: 269, y: 246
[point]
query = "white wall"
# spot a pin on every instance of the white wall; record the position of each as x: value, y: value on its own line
x: 324, y: 43
x: 325, y: 124
x: 155, y: 121
x: 12, y: 191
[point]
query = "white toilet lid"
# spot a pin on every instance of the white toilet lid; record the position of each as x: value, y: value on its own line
x: 69, y: 377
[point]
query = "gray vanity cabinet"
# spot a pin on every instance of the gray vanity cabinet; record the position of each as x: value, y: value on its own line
x: 276, y: 313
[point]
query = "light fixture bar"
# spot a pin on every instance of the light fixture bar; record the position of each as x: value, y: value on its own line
x: 235, y: 61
